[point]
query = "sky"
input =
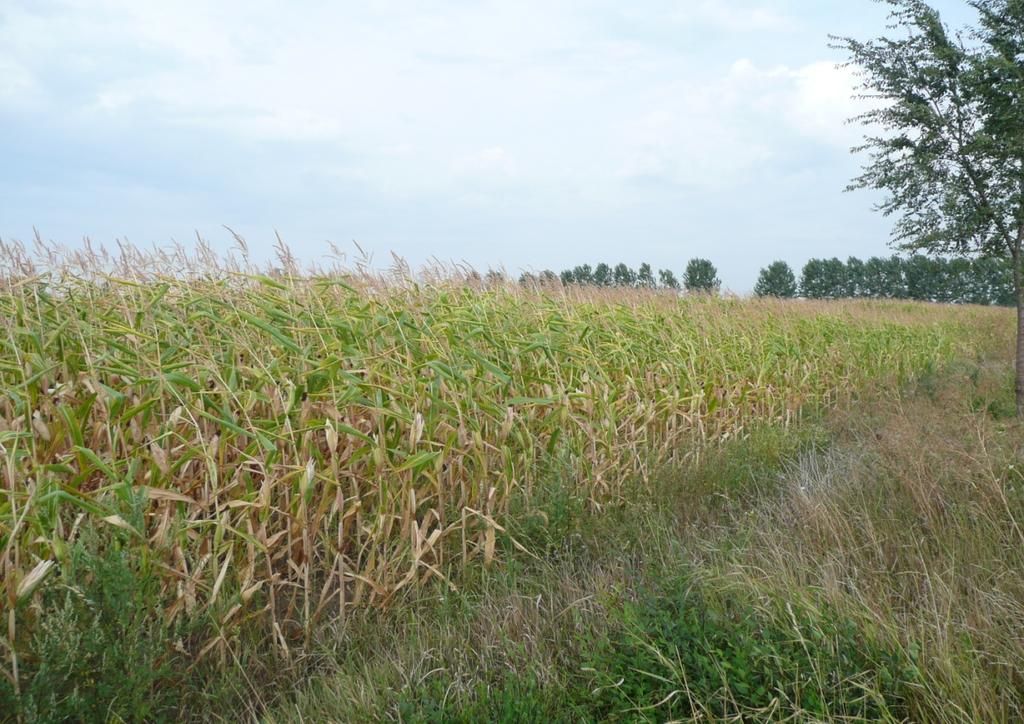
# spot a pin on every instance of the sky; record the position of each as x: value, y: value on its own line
x: 528, y: 134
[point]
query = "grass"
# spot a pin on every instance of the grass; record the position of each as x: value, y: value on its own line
x: 452, y: 499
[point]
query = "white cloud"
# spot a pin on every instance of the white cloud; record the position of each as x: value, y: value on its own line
x: 585, y: 110
x: 552, y: 110
x: 814, y: 100
x: 825, y: 100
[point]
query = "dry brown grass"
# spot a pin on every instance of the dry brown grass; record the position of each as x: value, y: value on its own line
x: 912, y: 522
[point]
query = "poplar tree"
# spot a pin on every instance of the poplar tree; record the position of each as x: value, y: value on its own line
x: 947, y: 143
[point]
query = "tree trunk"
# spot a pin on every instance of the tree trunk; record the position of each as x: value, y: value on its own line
x: 1018, y: 283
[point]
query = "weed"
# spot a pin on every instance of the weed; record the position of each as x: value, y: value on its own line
x: 695, y: 649
x: 99, y: 649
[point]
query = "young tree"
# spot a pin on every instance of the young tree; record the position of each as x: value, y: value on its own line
x: 583, y: 274
x: 624, y: 276
x: 645, y: 277
x: 668, y: 279
x: 949, y: 150
x: 776, y: 280
x: 701, y: 276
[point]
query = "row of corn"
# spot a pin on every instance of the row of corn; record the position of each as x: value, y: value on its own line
x: 299, y: 446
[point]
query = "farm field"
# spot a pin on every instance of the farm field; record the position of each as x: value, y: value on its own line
x: 690, y: 387
x: 342, y: 496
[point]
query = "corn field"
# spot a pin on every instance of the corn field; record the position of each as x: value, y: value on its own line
x: 298, y: 444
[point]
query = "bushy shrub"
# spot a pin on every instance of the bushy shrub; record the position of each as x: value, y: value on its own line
x: 96, y: 646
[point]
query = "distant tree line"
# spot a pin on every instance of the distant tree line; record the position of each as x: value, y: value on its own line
x: 700, y: 276
x: 958, y: 281
x: 983, y: 280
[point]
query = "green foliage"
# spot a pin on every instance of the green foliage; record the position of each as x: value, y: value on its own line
x: 668, y: 279
x: 99, y: 647
x: 489, y: 385
x: 552, y: 517
x: 958, y: 280
x: 946, y: 145
x: 582, y: 274
x: 777, y: 280
x: 823, y: 279
x: 686, y: 648
x: 740, y: 616
x: 883, y: 278
x: 604, y: 276
x: 986, y: 280
x: 701, y: 276
x: 811, y: 280
x: 645, y: 276
x: 923, y: 278
x: 510, y: 700
x: 623, y: 276
x: 951, y: 118
x: 689, y: 650
x: 854, y: 278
